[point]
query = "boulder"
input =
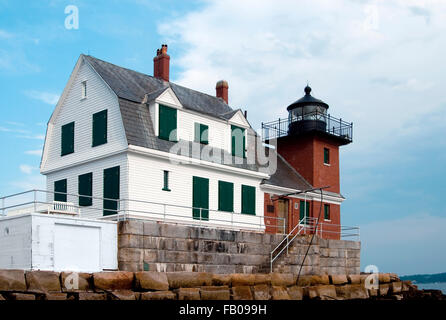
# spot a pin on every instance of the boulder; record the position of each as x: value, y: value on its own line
x: 354, y: 278
x: 221, y: 279
x: 55, y: 296
x: 261, y: 292
x: 188, y: 279
x: 112, y: 281
x: 148, y: 280
x: 241, y: 293
x: 326, y: 292
x: 338, y: 279
x: 242, y: 279
x: 123, y: 295
x: 262, y: 279
x: 21, y: 296
x: 295, y: 292
x: 310, y: 292
x: 75, y: 282
x: 279, y: 293
x: 188, y: 294
x: 396, y: 287
x: 158, y: 295
x: 384, y: 278
x: 304, y: 280
x: 12, y: 280
x: 352, y: 291
x: 384, y: 289
x: 43, y: 281
x: 87, y: 296
x: 283, y: 279
x: 215, y: 293
x: 394, y: 277
x: 319, y: 280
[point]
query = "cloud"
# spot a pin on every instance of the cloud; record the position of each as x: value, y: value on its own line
x: 37, y: 152
x: 26, y: 168
x: 33, y: 137
x: 45, y: 97
x: 30, y: 182
x: 5, y: 34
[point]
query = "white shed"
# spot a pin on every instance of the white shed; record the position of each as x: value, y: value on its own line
x: 36, y: 241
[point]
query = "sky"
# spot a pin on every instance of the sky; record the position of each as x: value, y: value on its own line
x: 378, y: 64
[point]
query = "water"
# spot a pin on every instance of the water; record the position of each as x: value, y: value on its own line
x: 437, y: 286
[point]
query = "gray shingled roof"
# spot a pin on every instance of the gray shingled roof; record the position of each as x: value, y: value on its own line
x: 133, y: 86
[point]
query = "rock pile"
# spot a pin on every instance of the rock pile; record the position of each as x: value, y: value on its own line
x: 145, y: 285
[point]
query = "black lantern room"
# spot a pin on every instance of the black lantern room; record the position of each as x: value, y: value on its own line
x: 307, y: 114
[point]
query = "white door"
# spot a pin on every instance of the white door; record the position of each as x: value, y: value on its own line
x: 77, y: 248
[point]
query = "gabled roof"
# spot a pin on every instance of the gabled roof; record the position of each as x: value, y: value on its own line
x: 132, y: 85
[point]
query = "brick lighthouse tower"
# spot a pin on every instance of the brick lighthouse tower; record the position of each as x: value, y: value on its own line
x: 309, y: 142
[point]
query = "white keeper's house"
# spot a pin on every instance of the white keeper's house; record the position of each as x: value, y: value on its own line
x: 111, y: 136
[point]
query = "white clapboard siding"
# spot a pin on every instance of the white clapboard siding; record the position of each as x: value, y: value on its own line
x: 74, y: 108
x: 146, y: 183
x: 97, y: 168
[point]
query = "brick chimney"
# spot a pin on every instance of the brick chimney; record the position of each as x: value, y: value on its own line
x: 161, y: 63
x: 222, y: 90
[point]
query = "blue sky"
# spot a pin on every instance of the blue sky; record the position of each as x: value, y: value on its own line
x: 379, y: 64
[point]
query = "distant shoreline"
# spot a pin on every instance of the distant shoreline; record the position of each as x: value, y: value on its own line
x: 426, y: 278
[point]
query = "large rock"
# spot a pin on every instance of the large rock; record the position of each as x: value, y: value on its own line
x: 295, y: 292
x: 283, y: 279
x: 43, y: 281
x: 75, y: 282
x: 215, y: 293
x: 113, y: 281
x: 188, y: 279
x: 242, y: 279
x: 279, y: 293
x: 148, y: 280
x: 241, y: 293
x: 354, y: 278
x: 338, y: 279
x: 221, y: 279
x: 158, y: 295
x: 123, y: 295
x: 87, y: 296
x: 396, y: 287
x: 261, y: 292
x: 189, y: 294
x: 326, y: 292
x: 21, y: 296
x: 384, y: 289
x: 12, y: 280
x: 304, y: 280
x: 352, y: 291
x: 384, y: 278
x: 262, y: 279
x: 55, y: 296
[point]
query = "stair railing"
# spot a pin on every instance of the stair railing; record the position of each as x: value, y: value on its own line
x: 289, y: 238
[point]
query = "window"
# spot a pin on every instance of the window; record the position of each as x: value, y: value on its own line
x: 326, y: 156
x: 304, y: 210
x: 238, y: 141
x: 67, y: 137
x: 167, y: 123
x: 201, y: 133
x: 84, y: 89
x: 99, y: 134
x: 248, y: 200
x: 225, y: 196
x: 326, y: 211
x: 60, y: 186
x: 270, y: 208
x: 166, y: 181
x: 85, y: 189
x: 111, y: 190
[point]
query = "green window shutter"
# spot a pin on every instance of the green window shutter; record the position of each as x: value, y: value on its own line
x: 99, y: 128
x: 201, y: 133
x: 60, y: 186
x: 167, y: 123
x: 67, y: 139
x: 85, y: 189
x: 225, y: 196
x: 248, y: 200
x: 166, y: 181
x: 326, y: 155
x: 326, y: 211
x: 238, y: 141
x: 200, y: 198
x: 111, y: 190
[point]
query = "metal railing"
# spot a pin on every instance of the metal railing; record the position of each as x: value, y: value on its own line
x: 40, y: 201
x: 310, y: 225
x: 334, y: 126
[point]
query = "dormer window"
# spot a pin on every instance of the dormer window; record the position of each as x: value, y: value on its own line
x: 84, y: 89
x: 201, y: 133
x: 238, y: 141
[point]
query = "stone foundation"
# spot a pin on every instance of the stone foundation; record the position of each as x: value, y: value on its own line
x: 152, y: 246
